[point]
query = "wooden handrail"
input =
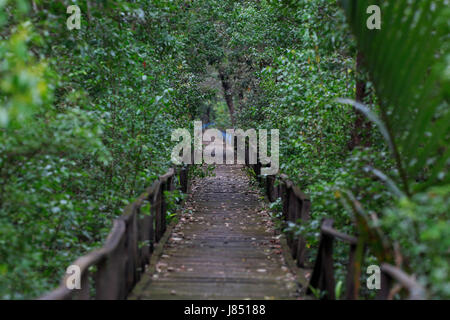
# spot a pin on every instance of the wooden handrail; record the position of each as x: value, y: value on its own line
x: 89, y: 260
x: 338, y: 235
x: 392, y: 273
x: 296, y: 206
x: 121, y: 260
x: 323, y: 278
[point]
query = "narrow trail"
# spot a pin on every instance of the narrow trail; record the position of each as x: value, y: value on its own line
x: 223, y: 247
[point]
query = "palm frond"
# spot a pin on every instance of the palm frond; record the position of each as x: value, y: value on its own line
x: 407, y: 61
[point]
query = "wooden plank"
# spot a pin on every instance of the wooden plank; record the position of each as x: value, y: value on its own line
x: 225, y: 249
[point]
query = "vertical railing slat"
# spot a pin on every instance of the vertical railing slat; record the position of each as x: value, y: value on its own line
x: 85, y: 292
x: 350, y: 283
x: 156, y: 211
x: 301, y: 248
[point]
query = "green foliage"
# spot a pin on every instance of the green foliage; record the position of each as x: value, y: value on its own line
x: 338, y: 290
x: 201, y: 171
x: 296, y: 87
x: 173, y: 199
x: 86, y: 117
x: 85, y: 124
x: 407, y: 62
x: 421, y: 227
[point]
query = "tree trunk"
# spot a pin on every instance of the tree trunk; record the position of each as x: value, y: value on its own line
x: 34, y: 6
x: 89, y: 15
x: 226, y: 85
x: 208, y: 114
x: 361, y: 127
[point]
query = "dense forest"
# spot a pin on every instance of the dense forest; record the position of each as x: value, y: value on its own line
x: 86, y: 117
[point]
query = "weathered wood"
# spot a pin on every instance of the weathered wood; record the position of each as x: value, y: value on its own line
x: 127, y: 249
x: 109, y: 273
x: 328, y: 230
x: 301, y: 248
x: 183, y: 176
x: 225, y: 249
x: 271, y: 189
x: 121, y: 261
x: 293, y: 215
x: 352, y: 278
x: 156, y: 209
x: 296, y: 205
x: 329, y: 283
x: 390, y: 274
x: 84, y: 292
x: 132, y: 262
x: 323, y: 275
x: 386, y: 282
x: 143, y: 223
x: 285, y: 196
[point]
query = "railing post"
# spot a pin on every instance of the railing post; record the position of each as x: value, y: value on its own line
x: 323, y: 276
x: 292, y: 217
x: 257, y: 169
x: 247, y: 153
x: 106, y: 287
x: 164, y: 187
x: 85, y: 292
x: 328, y: 274
x: 119, y: 261
x: 132, y: 262
x: 270, y: 188
x: 122, y: 259
x: 116, y: 275
x: 383, y: 293
x: 285, y: 195
x: 156, y: 211
x: 184, y: 179
x: 144, y: 237
x: 351, y: 284
x: 151, y: 229
x: 301, y: 249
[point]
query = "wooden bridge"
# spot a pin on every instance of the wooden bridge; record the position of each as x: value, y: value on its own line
x: 224, y: 246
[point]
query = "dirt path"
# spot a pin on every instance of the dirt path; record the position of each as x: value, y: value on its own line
x: 224, y: 247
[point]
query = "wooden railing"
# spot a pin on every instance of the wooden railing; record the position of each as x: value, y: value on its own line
x: 112, y: 271
x: 323, y: 276
x: 296, y: 206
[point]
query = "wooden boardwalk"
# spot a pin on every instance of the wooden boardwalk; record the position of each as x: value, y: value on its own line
x: 223, y: 247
